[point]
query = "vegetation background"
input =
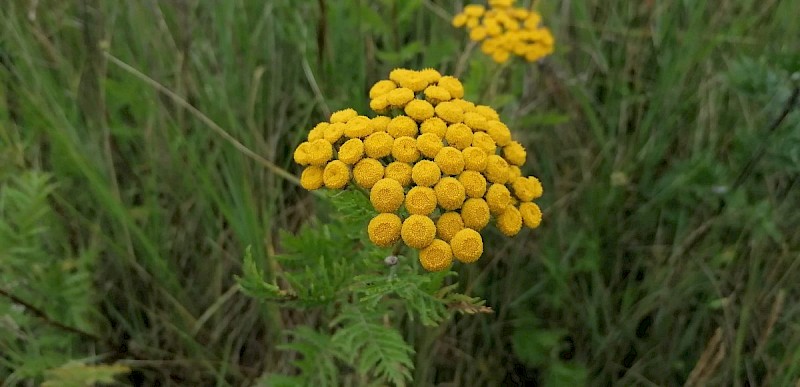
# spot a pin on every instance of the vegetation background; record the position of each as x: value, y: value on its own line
x: 663, y: 132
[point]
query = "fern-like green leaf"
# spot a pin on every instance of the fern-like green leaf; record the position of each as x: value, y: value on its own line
x: 317, y: 358
x: 372, y: 347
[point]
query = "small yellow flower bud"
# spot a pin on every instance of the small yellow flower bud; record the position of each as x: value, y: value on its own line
x: 405, y: 149
x: 351, y: 151
x: 418, y: 231
x: 336, y: 175
x: 475, y: 159
x: 311, y: 178
x: 302, y: 155
x: 358, y: 127
x: 478, y: 33
x: 475, y: 213
x: 452, y: 85
x: 381, y: 88
x: 402, y: 126
x: 426, y: 173
x: 378, y: 144
x: 450, y: 193
x: 448, y: 225
x: 496, y: 169
x: 531, y: 214
x: 499, y: 132
x: 450, y: 160
x: 434, y: 125
x: 379, y: 123
x: 474, y: 10
x: 474, y: 183
x: 459, y: 20
x: 421, y: 200
x: 320, y: 152
x: 334, y: 132
x: 449, y: 111
x: 436, y: 94
x: 367, y: 172
x: 419, y: 110
x: 343, y: 115
x: 514, y: 153
x: 510, y: 221
x: 437, y: 256
x: 413, y: 81
x: 429, y: 144
x: 485, y: 142
x: 487, y: 112
x: 379, y: 104
x: 475, y: 121
x: 400, y: 97
x: 458, y: 136
x: 498, y: 198
x: 467, y: 245
x: 318, y: 132
x: 514, y: 173
x: 384, y: 229
x: 430, y: 75
x: 386, y: 195
x: 400, y: 172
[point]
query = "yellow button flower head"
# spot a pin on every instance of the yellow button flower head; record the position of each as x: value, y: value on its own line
x: 320, y: 152
x: 434, y: 125
x: 478, y: 33
x: 430, y: 75
x: 351, y: 151
x: 499, y: 132
x: 399, y: 74
x: 467, y: 245
x: 474, y: 183
x: 358, y: 127
x: 465, y: 105
x: 450, y: 160
x: 302, y: 155
x: 501, y: 56
x: 437, y: 256
x: 336, y: 175
x: 386, y: 195
x: 418, y: 231
x: 531, y: 214
x: 487, y: 112
x: 367, y: 172
x: 413, y: 81
x: 449, y: 111
x: 514, y: 153
x: 537, y: 187
x: 426, y: 173
x: 485, y: 142
x: 318, y: 132
x: 452, y: 85
x: 419, y: 110
x: 379, y: 123
x: 378, y: 144
x: 498, y: 198
x: 334, y: 132
x: 526, y: 189
x: 475, y: 213
x: 476, y: 121
x: 496, y: 169
x: 436, y: 94
x: 400, y: 97
x: 475, y: 159
x: 381, y: 88
x: 510, y: 221
x: 474, y: 10
x: 311, y: 178
x: 450, y: 193
x: 460, y: 20
x: 448, y: 225
x: 501, y: 3
x: 380, y: 104
x: 400, y: 172
x: 384, y: 229
x: 405, y: 149
x: 421, y: 200
x: 458, y: 136
x: 343, y: 115
x: 402, y: 126
x: 429, y: 144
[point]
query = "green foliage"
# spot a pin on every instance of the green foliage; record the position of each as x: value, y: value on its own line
x: 76, y: 374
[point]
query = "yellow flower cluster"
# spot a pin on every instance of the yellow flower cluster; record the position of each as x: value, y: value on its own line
x: 504, y: 30
x: 438, y: 167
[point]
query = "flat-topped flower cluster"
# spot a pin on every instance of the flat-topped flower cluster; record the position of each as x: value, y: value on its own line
x: 438, y: 168
x: 503, y: 30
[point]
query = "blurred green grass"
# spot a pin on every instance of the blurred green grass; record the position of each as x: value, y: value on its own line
x: 638, y: 126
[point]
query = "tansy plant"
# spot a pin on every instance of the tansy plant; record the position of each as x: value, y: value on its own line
x: 504, y: 29
x: 437, y: 168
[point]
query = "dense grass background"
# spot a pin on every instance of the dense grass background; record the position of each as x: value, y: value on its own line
x: 669, y: 250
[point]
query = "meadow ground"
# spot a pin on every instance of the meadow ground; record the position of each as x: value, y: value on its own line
x: 665, y: 134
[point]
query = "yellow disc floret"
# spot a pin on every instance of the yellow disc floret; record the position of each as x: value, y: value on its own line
x: 381, y: 88
x: 458, y: 136
x: 379, y: 123
x: 418, y: 231
x: 526, y: 189
x: 426, y: 173
x: 402, y: 126
x: 437, y: 94
x: 334, y: 132
x: 400, y: 172
x: 485, y: 142
x: 452, y: 85
x: 450, y: 160
x: 405, y: 149
x: 499, y: 132
x: 318, y: 132
x: 400, y: 97
x: 487, y: 112
x: 343, y: 115
x: 358, y: 127
x: 311, y: 178
x: 351, y: 151
x: 498, y: 198
x: 320, y: 152
x: 475, y: 213
x: 336, y: 175
x: 437, y: 256
x: 467, y: 245
x: 514, y: 153
x: 496, y: 169
x: 449, y: 193
x: 378, y: 145
x: 384, y: 229
x: 475, y: 121
x: 531, y: 214
x: 475, y: 159
x: 429, y: 144
x: 434, y: 125
x: 448, y: 225
x: 474, y: 183
x: 367, y: 172
x: 449, y: 111
x: 421, y: 200
x: 386, y: 195
x: 510, y: 221
x: 302, y: 154
x: 419, y: 110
